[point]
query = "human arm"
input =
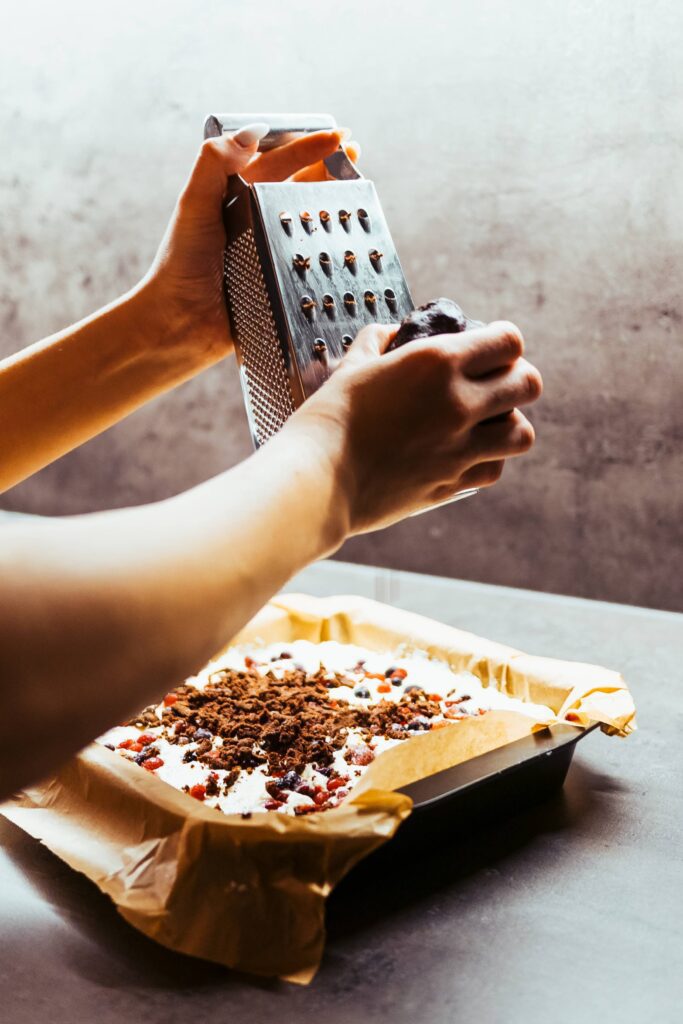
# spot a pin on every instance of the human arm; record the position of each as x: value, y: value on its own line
x: 62, y: 391
x: 100, y: 614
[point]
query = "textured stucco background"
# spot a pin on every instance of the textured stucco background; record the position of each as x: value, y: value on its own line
x: 530, y: 160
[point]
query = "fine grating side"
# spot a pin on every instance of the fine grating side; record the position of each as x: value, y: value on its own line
x: 264, y: 374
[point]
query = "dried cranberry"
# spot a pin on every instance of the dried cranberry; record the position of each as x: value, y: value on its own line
x: 360, y: 755
x: 146, y: 738
x: 170, y: 699
x: 198, y: 791
x: 337, y: 783
x: 384, y: 688
x: 272, y: 805
x: 152, y: 763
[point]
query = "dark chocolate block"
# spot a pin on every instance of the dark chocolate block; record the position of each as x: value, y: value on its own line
x: 443, y: 316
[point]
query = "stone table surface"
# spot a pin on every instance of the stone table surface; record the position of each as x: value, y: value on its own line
x: 569, y: 912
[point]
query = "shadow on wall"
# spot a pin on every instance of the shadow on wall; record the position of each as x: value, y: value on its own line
x: 530, y: 179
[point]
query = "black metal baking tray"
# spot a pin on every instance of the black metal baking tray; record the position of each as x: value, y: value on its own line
x: 485, y: 789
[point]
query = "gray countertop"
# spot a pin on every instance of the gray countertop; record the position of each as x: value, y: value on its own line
x: 570, y: 912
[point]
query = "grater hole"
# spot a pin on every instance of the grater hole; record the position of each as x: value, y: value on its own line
x: 325, y: 220
x: 350, y: 302
x: 347, y: 341
x: 376, y: 259
x: 320, y: 347
x: 364, y: 219
x: 308, y: 307
x: 370, y: 300
x: 345, y: 219
x: 390, y: 299
x: 326, y: 263
x: 329, y: 305
x: 307, y: 221
x: 301, y: 263
x: 286, y: 221
x: 350, y: 261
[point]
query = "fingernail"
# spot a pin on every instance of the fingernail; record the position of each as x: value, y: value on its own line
x: 345, y: 133
x: 251, y: 134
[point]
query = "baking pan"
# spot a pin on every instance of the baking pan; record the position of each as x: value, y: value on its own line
x: 483, y: 790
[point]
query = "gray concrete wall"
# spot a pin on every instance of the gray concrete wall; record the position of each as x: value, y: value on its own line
x: 529, y: 157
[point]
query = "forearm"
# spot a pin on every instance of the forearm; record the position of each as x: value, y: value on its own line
x: 64, y: 390
x: 101, y: 614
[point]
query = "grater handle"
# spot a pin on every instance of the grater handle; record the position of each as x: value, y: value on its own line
x: 283, y: 127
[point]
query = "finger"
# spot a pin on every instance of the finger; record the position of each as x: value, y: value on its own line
x: 278, y: 164
x: 319, y: 171
x: 487, y: 349
x: 502, y: 440
x: 217, y: 160
x: 521, y: 384
x: 370, y: 342
x: 484, y: 474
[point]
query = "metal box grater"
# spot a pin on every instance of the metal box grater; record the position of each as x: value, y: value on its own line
x: 307, y: 264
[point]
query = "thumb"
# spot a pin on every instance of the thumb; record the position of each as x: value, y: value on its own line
x: 217, y: 160
x: 371, y: 342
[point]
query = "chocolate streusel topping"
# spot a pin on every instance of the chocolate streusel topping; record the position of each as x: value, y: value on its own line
x: 287, y: 723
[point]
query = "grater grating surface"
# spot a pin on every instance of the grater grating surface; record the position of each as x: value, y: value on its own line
x: 268, y: 396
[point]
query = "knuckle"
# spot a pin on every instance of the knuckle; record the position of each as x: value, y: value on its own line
x: 432, y: 366
x: 525, y: 436
x: 511, y: 335
x: 208, y: 149
x: 533, y: 384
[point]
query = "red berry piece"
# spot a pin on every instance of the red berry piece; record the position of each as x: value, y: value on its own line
x: 170, y: 699
x: 198, y: 791
x: 272, y: 805
x: 146, y: 738
x: 320, y: 798
x: 125, y: 744
x: 360, y: 755
x: 337, y: 783
x: 399, y: 673
x: 136, y: 747
x: 249, y: 662
x: 152, y: 763
x: 434, y: 696
x: 384, y: 688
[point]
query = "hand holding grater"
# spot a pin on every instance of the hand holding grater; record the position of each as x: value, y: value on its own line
x: 306, y: 266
